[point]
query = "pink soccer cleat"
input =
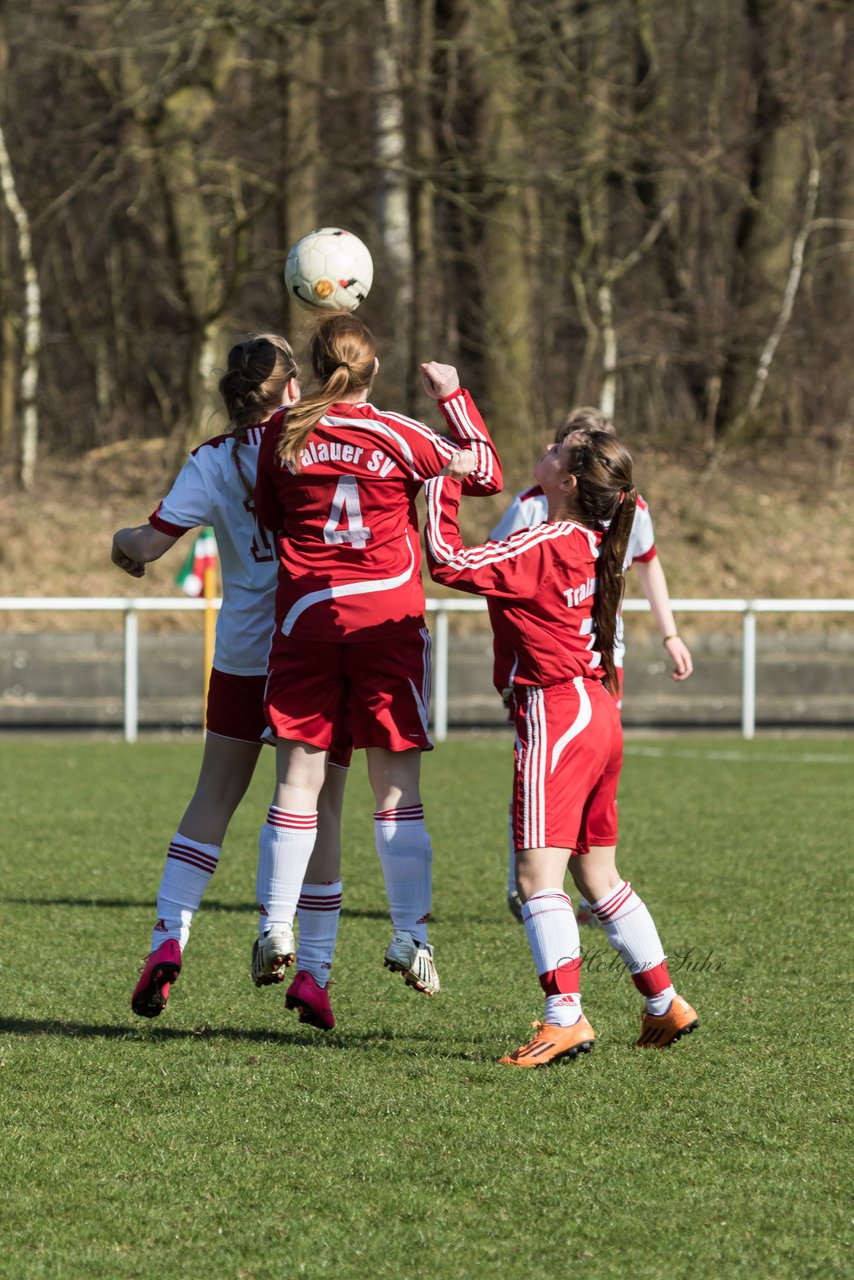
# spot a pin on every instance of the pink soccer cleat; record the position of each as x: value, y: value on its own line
x: 158, y: 973
x: 310, y: 1000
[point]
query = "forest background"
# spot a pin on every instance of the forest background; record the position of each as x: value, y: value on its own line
x: 646, y: 205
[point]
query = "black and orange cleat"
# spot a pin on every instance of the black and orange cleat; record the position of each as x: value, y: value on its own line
x: 551, y: 1044
x: 660, y: 1030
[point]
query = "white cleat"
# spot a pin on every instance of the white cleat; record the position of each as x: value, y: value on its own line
x: 272, y: 954
x: 414, y: 959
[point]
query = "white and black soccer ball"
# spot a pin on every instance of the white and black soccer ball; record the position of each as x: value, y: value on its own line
x: 329, y: 270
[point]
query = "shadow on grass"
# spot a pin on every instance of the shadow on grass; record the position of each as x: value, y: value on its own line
x: 211, y: 904
x: 146, y: 1034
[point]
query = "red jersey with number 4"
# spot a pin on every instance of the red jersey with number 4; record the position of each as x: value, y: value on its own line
x: 539, y: 584
x: 345, y: 522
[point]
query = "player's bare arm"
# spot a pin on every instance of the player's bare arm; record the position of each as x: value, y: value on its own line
x: 440, y: 380
x: 654, y: 586
x: 134, y: 548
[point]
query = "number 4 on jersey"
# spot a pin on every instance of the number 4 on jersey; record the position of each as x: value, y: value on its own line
x: 346, y: 508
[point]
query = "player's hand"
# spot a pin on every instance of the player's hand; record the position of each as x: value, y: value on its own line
x: 681, y: 658
x: 440, y: 380
x: 136, y: 568
x: 461, y: 465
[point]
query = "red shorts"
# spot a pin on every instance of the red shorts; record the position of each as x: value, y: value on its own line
x: 569, y: 749
x: 235, y: 709
x: 380, y: 690
x: 236, y: 706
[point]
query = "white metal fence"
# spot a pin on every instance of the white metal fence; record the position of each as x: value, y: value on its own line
x: 131, y: 609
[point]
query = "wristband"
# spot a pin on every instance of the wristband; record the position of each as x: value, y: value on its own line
x: 675, y: 636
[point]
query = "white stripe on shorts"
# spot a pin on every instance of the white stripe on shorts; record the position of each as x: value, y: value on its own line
x: 578, y: 725
x: 533, y: 774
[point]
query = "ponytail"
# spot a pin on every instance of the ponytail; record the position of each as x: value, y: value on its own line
x: 602, y: 467
x: 342, y: 352
x: 611, y: 583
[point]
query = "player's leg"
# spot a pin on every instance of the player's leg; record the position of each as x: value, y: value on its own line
x: 319, y: 906
x: 405, y: 854
x: 514, y: 901
x: 284, y: 851
x: 558, y: 748
x: 552, y: 935
x: 302, y: 704
x: 628, y: 925
x: 235, y: 722
x: 631, y: 931
x: 389, y: 700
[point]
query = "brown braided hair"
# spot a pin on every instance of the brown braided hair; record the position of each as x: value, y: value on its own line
x: 252, y: 387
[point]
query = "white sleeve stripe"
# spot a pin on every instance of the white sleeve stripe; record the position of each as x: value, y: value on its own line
x: 457, y: 410
x: 458, y: 413
x: 444, y: 447
x: 490, y: 552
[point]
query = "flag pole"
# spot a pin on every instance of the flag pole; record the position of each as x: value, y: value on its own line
x: 209, y: 591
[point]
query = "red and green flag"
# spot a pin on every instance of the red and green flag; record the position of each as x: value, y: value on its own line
x: 201, y: 556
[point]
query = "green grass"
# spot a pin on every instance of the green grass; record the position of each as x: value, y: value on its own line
x: 224, y: 1140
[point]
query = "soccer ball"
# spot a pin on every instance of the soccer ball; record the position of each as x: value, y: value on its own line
x: 329, y: 270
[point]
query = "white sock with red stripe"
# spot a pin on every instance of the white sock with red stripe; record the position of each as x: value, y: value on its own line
x: 631, y: 931
x: 406, y: 856
x: 189, y: 866
x: 318, y: 912
x: 284, y: 851
x: 552, y: 933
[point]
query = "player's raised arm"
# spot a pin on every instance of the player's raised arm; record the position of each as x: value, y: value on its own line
x: 441, y: 383
x: 508, y: 569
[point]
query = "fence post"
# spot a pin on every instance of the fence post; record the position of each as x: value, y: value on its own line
x: 131, y: 673
x: 440, y: 675
x: 748, y: 675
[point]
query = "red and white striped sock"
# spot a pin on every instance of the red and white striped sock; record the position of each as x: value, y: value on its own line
x: 318, y: 912
x: 188, y: 868
x: 284, y: 851
x: 631, y: 931
x: 552, y: 933
x: 406, y: 856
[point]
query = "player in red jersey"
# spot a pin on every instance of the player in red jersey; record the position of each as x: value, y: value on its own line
x: 337, y: 480
x: 553, y: 594
x: 530, y: 508
x: 215, y: 487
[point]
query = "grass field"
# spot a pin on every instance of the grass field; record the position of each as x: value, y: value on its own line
x: 224, y: 1140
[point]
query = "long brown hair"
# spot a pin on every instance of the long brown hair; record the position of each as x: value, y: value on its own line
x: 252, y: 387
x: 602, y: 467
x: 342, y: 353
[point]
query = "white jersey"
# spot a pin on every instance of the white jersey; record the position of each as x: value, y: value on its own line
x: 530, y: 507
x: 208, y: 491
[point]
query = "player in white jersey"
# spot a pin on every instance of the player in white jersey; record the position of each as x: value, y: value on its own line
x: 215, y: 487
x: 530, y: 508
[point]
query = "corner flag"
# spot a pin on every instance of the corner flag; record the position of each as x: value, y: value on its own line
x: 201, y: 556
